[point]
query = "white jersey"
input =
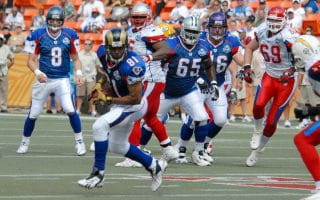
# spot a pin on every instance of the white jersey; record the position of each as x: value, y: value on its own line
x: 141, y: 42
x: 314, y: 83
x: 276, y: 50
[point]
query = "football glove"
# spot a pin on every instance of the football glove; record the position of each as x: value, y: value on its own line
x: 203, y: 86
x: 98, y: 96
x: 287, y: 75
x: 214, y: 90
x: 247, y: 73
x: 233, y: 98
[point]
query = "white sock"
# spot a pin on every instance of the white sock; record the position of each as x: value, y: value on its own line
x: 258, y: 125
x: 198, y: 146
x: 26, y: 140
x: 153, y: 164
x: 208, y: 140
x: 182, y: 143
x: 183, y: 117
x: 263, y: 141
x: 78, y: 137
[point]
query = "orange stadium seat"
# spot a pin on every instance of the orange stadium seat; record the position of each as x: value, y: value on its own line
x: 271, y: 4
x: 169, y: 6
x: 312, y: 22
x: 111, y: 25
x: 188, y: 3
x: 254, y: 5
x: 233, y: 4
x: 108, y: 12
x: 29, y: 13
x: 165, y: 16
x: 50, y: 3
x: 286, y: 4
x: 134, y: 2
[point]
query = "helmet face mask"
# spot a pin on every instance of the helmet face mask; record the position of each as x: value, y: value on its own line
x: 140, y: 16
x: 217, y: 26
x: 276, y: 19
x: 116, y: 45
x: 55, y: 19
x: 190, y: 30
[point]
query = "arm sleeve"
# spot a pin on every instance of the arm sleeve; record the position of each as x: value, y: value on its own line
x: 32, y: 44
x: 75, y: 44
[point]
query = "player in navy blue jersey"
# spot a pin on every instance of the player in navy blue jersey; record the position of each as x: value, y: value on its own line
x: 224, y: 48
x: 50, y: 50
x: 125, y: 71
x: 187, y: 55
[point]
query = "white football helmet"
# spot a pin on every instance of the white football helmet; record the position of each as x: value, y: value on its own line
x: 305, y: 48
x: 190, y: 30
x: 276, y: 19
x: 140, y: 16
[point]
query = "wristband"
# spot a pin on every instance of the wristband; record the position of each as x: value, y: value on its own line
x: 78, y: 72
x: 213, y: 82
x: 150, y: 57
x: 37, y: 72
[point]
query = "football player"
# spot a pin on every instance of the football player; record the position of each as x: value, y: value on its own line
x: 274, y: 39
x: 306, y: 52
x: 187, y: 56
x: 145, y: 38
x: 125, y: 71
x: 50, y: 49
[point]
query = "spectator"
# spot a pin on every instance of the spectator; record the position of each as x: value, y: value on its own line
x: 88, y: 7
x: 214, y: 6
x: 179, y: 12
x: 263, y: 6
x: 6, y: 61
x: 199, y: 9
x: 242, y: 11
x: 68, y: 10
x: 294, y: 22
x: 226, y: 8
x: 39, y: 20
x: 233, y: 28
x: 298, y: 9
x: 119, y: 12
x: 95, y: 23
x: 16, y: 41
x: 260, y: 17
x: 81, y: 10
x: 249, y: 26
x: 6, y: 34
x: 159, y: 5
x: 122, y: 3
x: 14, y: 18
x: 310, y: 6
x: 90, y: 63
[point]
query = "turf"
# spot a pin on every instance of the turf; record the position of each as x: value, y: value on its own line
x: 50, y: 170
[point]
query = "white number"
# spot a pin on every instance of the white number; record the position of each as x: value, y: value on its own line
x: 182, y: 69
x: 132, y: 61
x: 221, y: 63
x: 56, y: 56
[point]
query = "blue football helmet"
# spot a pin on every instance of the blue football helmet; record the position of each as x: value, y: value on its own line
x: 217, y: 26
x: 55, y: 19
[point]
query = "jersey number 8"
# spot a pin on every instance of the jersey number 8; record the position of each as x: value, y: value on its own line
x: 56, y: 56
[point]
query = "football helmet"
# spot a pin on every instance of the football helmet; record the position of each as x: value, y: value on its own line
x: 305, y: 48
x: 55, y: 19
x: 276, y: 19
x: 190, y: 30
x: 140, y: 16
x: 217, y: 26
x: 167, y: 29
x: 116, y: 44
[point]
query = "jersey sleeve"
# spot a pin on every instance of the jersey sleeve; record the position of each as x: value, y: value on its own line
x: 172, y: 43
x: 235, y: 45
x: 32, y: 43
x: 75, y: 44
x: 136, y: 72
x: 289, y: 37
x: 153, y: 35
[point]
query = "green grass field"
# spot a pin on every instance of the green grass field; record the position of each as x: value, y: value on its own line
x: 50, y: 170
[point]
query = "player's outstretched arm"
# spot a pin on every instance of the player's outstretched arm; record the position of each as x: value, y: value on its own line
x: 160, y: 54
x: 33, y: 66
x: 210, y: 69
x: 77, y: 68
x: 250, y: 48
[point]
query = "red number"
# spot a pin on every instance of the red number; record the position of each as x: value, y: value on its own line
x: 274, y: 51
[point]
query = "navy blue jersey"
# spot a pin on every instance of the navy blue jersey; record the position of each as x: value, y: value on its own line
x: 129, y: 71
x: 222, y: 54
x: 54, y: 53
x: 184, y: 66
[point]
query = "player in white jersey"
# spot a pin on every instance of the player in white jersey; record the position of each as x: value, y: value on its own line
x: 144, y: 38
x: 274, y: 40
x: 306, y: 52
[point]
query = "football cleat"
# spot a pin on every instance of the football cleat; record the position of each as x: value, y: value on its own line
x: 169, y: 153
x: 253, y: 158
x: 128, y: 163
x: 207, y: 157
x: 157, y: 173
x: 232, y: 118
x: 255, y: 141
x: 23, y: 148
x: 92, y: 147
x: 208, y: 147
x: 246, y: 119
x: 182, y: 156
x: 80, y: 148
x: 95, y: 179
x: 315, y: 196
x: 198, y: 159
